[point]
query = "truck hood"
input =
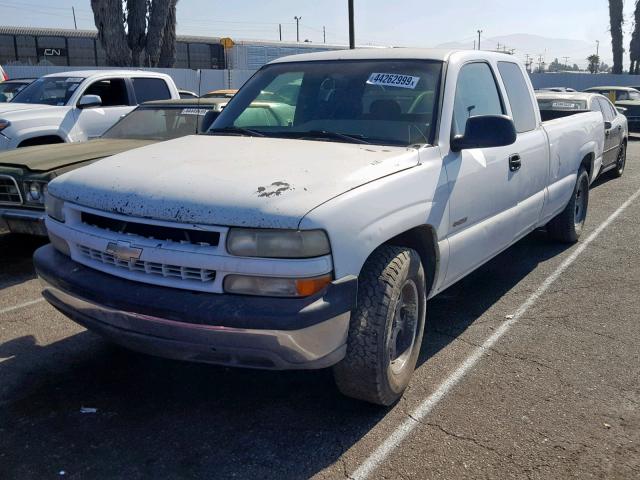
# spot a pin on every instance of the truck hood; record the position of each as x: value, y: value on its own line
x: 45, y: 158
x: 11, y: 107
x: 229, y: 180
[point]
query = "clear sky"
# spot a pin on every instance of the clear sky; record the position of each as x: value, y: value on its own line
x: 406, y: 23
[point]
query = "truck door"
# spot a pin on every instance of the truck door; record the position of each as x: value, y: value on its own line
x: 612, y: 135
x: 92, y: 122
x: 483, y: 191
x: 529, y: 157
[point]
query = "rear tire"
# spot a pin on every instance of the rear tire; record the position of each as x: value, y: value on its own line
x: 621, y: 161
x: 568, y: 225
x: 386, y: 328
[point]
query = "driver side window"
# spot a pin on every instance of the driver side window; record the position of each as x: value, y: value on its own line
x: 113, y: 92
x: 476, y: 94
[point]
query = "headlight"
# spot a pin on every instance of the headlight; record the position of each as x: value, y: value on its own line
x: 35, y: 191
x: 4, y: 124
x: 246, y: 242
x: 275, y: 287
x: 53, y: 207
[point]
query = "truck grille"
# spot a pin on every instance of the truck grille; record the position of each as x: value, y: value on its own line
x: 9, y: 191
x: 157, y: 232
x: 149, y: 268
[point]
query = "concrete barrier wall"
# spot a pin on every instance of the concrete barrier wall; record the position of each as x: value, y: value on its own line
x: 582, y: 81
x: 184, y: 78
x: 217, y: 79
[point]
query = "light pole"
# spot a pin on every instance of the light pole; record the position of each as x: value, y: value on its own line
x: 297, y: 19
x: 598, y: 55
x: 352, y: 33
x: 479, y: 34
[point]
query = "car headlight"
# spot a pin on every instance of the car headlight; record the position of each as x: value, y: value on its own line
x: 54, y: 207
x: 4, y: 124
x: 274, y: 286
x: 35, y: 191
x: 246, y: 242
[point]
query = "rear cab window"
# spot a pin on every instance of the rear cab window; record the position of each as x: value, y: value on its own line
x: 148, y: 89
x: 519, y: 96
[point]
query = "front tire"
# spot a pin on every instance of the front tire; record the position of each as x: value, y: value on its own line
x: 568, y: 225
x: 386, y: 328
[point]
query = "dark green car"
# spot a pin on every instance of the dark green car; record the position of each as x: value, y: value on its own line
x: 25, y: 172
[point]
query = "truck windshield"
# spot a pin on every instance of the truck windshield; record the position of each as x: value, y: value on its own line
x: 158, y: 123
x: 386, y: 102
x: 49, y: 91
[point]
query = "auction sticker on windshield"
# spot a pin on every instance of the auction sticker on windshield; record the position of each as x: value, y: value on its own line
x: 393, y: 80
x: 194, y: 111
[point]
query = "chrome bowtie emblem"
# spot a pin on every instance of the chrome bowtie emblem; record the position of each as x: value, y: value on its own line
x: 124, y: 251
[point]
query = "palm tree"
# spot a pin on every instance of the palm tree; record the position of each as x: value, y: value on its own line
x: 594, y: 62
x: 634, y: 47
x: 616, y: 19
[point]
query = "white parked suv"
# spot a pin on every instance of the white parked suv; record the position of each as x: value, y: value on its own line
x: 77, y: 106
x: 311, y: 234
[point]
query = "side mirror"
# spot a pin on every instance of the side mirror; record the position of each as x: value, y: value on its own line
x: 88, y: 101
x: 485, y: 131
x: 608, y: 125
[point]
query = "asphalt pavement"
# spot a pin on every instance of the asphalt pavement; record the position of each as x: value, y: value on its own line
x: 557, y: 395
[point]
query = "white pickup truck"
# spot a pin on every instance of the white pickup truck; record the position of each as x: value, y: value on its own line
x: 77, y: 106
x: 310, y: 232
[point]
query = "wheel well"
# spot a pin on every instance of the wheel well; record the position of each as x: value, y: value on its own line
x: 44, y: 140
x: 424, y: 240
x: 587, y: 162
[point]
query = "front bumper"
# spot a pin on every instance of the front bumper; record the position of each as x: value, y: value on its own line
x: 21, y: 220
x: 223, y: 329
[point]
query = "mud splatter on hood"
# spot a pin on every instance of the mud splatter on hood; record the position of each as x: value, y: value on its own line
x: 228, y: 180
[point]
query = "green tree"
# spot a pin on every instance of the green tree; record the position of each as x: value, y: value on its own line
x: 137, y: 33
x: 634, y: 47
x: 594, y: 62
x: 616, y: 20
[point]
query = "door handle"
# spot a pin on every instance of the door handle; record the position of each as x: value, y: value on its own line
x: 619, y: 127
x: 607, y: 133
x: 515, y: 162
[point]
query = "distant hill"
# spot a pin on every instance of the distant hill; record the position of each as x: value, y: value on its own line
x: 534, y: 45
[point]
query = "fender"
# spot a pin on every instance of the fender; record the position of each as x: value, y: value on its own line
x: 364, y: 218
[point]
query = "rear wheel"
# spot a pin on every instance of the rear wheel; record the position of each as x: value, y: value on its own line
x: 385, y: 333
x: 568, y: 225
x: 621, y: 162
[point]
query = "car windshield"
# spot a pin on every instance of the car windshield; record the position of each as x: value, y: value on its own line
x: 387, y: 102
x: 49, y: 91
x: 8, y: 90
x: 158, y: 123
x: 562, y: 104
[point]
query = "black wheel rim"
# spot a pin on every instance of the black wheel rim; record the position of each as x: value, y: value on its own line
x: 404, y: 327
x: 582, y: 197
x: 622, y: 159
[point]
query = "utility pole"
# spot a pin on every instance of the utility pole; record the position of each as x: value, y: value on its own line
x: 498, y: 47
x: 297, y: 28
x: 280, y: 30
x: 352, y: 33
x: 566, y: 60
x: 474, y: 44
x: 479, y: 34
x: 75, y: 24
x: 598, y: 55
x: 324, y: 34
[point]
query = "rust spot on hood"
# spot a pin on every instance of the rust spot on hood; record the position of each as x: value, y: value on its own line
x: 275, y: 189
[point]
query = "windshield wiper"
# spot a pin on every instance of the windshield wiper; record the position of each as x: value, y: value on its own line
x: 335, y: 135
x: 237, y: 131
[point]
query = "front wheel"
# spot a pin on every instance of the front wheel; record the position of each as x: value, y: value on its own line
x: 385, y: 333
x: 568, y: 225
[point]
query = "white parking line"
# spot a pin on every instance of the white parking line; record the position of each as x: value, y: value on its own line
x: 406, y: 427
x: 22, y: 305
